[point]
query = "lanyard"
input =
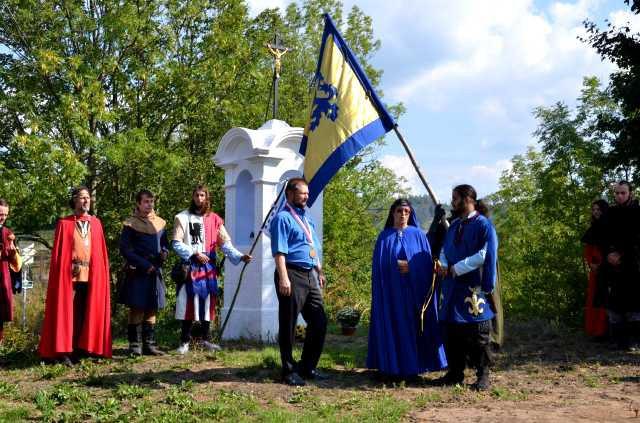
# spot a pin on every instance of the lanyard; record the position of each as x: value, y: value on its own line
x: 302, y: 224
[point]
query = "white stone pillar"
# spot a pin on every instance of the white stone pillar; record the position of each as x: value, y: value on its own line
x: 255, y: 162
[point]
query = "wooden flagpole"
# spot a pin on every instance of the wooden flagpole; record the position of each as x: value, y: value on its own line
x: 416, y: 166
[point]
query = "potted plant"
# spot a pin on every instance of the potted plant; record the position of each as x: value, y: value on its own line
x: 348, y: 318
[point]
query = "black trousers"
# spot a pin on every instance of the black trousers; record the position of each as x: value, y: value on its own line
x: 80, y: 292
x: 468, y: 343
x: 305, y: 298
x: 186, y: 331
x: 204, y: 326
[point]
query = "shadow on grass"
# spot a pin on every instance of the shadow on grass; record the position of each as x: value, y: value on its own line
x: 346, y: 379
x: 551, y: 345
x: 536, y: 343
x: 16, y: 360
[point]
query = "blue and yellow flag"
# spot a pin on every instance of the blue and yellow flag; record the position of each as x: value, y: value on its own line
x: 346, y: 114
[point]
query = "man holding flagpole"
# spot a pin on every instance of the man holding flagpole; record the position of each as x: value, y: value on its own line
x: 298, y: 278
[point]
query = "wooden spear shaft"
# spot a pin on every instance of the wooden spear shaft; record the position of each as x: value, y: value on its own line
x: 244, y: 266
x: 416, y: 166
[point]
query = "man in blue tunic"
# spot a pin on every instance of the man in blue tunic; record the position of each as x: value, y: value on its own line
x: 468, y: 264
x: 401, y: 345
x: 298, y: 279
x: 144, y: 246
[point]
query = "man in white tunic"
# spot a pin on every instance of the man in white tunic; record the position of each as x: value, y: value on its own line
x: 198, y: 232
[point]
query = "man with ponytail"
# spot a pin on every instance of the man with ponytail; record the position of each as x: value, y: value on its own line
x: 469, y: 269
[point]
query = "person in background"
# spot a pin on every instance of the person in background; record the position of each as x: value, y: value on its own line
x: 10, y: 265
x: 197, y: 233
x: 595, y: 315
x: 620, y: 271
x: 77, y: 314
x: 144, y: 246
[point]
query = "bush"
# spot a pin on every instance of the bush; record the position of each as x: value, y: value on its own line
x: 348, y: 317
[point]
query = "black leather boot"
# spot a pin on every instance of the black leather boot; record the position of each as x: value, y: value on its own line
x: 133, y: 333
x: 149, y: 340
x: 620, y: 334
x: 482, y: 384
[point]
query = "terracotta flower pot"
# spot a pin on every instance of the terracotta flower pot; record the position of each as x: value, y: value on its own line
x: 348, y: 330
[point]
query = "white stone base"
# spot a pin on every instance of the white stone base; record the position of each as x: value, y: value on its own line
x: 251, y: 323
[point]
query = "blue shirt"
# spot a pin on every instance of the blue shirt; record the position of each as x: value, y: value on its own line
x: 288, y: 238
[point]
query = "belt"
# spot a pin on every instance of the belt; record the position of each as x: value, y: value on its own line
x: 80, y: 263
x: 298, y: 268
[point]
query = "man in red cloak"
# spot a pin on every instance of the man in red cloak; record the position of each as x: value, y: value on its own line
x: 77, y: 317
x: 9, y: 263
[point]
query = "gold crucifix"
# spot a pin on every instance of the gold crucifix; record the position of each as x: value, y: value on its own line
x: 277, y: 51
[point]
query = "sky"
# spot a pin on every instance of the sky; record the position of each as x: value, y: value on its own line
x: 470, y: 74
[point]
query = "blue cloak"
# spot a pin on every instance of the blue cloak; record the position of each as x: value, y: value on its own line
x: 396, y: 344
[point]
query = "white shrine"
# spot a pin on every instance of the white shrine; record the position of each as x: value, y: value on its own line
x: 256, y: 164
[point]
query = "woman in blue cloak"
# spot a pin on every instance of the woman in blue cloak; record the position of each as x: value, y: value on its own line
x: 400, y: 345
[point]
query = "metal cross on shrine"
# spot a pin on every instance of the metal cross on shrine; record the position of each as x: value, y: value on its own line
x: 277, y: 50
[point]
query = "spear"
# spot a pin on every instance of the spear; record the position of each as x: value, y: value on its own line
x: 244, y: 266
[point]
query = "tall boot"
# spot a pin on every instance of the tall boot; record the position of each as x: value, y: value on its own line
x: 456, y: 356
x: 133, y: 333
x: 482, y: 383
x: 634, y: 335
x: 620, y: 334
x: 149, y: 340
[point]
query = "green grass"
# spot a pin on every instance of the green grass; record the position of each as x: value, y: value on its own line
x: 8, y: 390
x: 505, y: 394
x: 53, y: 371
x: 239, y: 384
x: 15, y: 414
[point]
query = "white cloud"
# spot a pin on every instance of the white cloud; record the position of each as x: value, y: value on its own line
x: 492, y: 172
x: 483, y: 177
x: 470, y: 73
x: 504, y: 48
x: 402, y: 167
x: 257, y: 6
x: 493, y: 108
x: 623, y: 18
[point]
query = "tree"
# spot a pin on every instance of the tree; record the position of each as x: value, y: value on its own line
x: 118, y: 96
x: 128, y: 95
x: 541, y: 209
x: 356, y: 203
x: 622, y: 47
x: 122, y: 96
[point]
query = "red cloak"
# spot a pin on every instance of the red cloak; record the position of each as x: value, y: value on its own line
x: 6, y: 291
x: 595, y: 318
x: 57, y: 329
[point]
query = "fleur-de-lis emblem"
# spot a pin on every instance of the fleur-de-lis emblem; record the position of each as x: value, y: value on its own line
x: 475, y: 303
